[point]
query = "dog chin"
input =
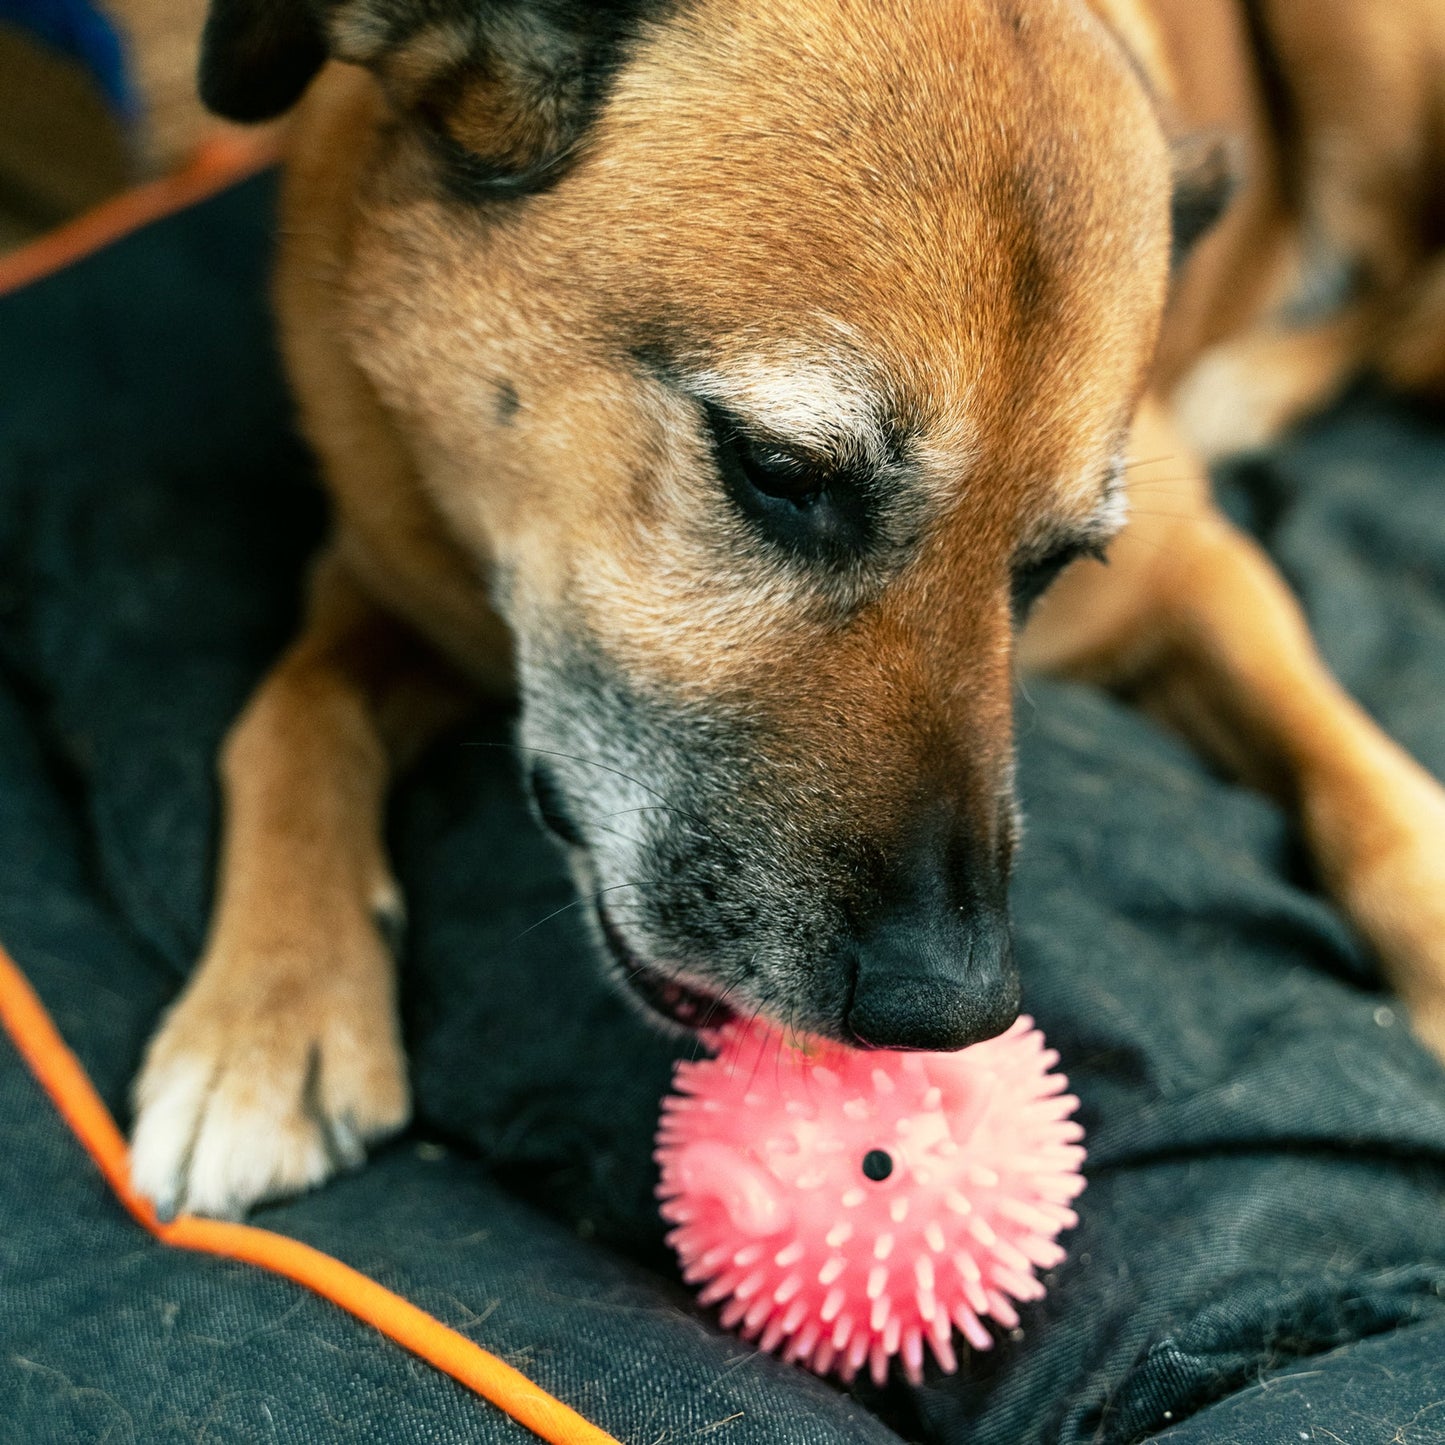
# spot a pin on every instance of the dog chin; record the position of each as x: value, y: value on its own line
x: 678, y: 1003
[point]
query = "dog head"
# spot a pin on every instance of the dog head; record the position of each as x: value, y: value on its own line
x: 773, y: 356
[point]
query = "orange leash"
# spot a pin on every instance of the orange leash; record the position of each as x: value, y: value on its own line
x: 61, y: 1075
x: 219, y: 162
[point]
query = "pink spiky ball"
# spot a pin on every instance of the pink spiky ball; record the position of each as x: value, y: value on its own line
x: 845, y: 1207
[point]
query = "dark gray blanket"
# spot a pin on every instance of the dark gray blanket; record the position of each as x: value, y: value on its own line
x: 1262, y: 1250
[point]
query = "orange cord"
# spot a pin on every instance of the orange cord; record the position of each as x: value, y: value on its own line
x: 221, y: 161
x: 61, y: 1075
x: 218, y: 164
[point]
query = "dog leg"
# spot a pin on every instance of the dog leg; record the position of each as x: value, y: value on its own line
x: 1192, y: 620
x: 1244, y: 393
x: 282, y: 1059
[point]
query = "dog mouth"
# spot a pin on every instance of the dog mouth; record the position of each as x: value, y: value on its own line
x: 685, y: 1004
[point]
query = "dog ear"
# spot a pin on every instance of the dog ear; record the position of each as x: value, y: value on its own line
x: 257, y: 56
x: 504, y: 88
x: 1207, y: 176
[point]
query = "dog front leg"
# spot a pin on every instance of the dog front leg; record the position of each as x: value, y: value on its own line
x: 282, y: 1058
x: 1192, y: 620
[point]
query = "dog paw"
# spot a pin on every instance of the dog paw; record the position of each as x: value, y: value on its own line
x: 1394, y: 887
x: 1427, y: 1018
x: 249, y: 1095
x: 1244, y: 394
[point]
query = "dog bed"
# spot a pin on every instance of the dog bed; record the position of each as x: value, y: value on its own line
x: 1261, y: 1256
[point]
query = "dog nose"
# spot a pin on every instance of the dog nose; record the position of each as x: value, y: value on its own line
x: 939, y: 982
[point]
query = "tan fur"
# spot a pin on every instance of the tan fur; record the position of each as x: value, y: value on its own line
x: 1192, y: 619
x: 282, y: 1059
x: 475, y: 388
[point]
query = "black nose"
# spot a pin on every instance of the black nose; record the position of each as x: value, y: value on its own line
x: 936, y: 982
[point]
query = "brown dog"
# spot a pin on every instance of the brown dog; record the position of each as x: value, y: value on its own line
x: 736, y: 374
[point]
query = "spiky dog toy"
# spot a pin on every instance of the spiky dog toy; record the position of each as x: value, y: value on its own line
x: 845, y: 1207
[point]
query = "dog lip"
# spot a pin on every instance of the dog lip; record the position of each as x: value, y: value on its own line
x: 679, y: 1003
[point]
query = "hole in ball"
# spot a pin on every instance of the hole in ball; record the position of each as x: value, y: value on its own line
x: 877, y: 1165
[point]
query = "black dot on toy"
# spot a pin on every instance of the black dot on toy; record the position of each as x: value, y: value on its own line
x: 877, y: 1165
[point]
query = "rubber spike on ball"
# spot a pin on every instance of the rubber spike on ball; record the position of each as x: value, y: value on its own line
x: 845, y: 1208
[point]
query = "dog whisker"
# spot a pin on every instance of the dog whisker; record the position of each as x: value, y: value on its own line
x: 577, y: 903
x: 1136, y: 489
x: 752, y: 1020
x: 601, y: 827
x: 719, y: 1002
x: 616, y: 772
x: 1134, y: 462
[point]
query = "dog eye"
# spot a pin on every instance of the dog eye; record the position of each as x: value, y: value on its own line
x: 767, y: 470
x: 777, y: 475
x: 814, y: 512
x: 1033, y: 578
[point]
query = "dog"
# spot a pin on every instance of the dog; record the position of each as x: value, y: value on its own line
x: 734, y: 379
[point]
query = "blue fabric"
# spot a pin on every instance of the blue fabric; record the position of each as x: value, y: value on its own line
x: 1261, y: 1256
x: 80, y: 31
